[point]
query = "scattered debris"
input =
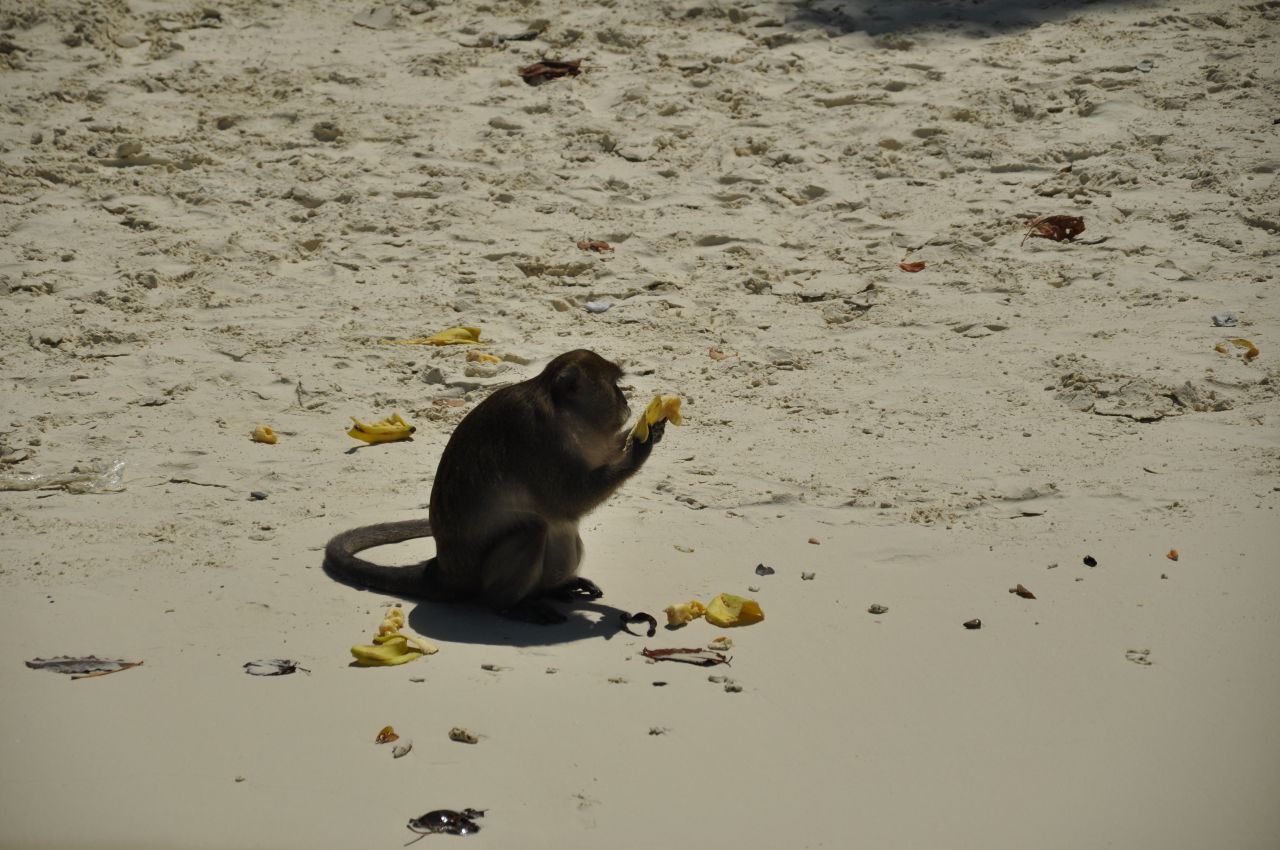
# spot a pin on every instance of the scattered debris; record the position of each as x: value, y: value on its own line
x: 658, y: 730
x: 1172, y: 554
x: 82, y: 479
x: 257, y: 495
x: 595, y: 245
x: 1023, y: 592
x: 326, y: 131
x: 693, y: 655
x: 763, y: 570
x: 463, y: 736
x: 877, y: 608
x: 808, y: 576
x: 401, y: 750
x: 386, y: 735
x: 1090, y: 561
x: 273, y: 667
x: 1144, y: 66
x: 917, y: 266
x: 447, y: 821
x: 720, y: 644
x: 85, y: 667
x: 1140, y: 657
x: 641, y: 617
x: 716, y: 354
x: 815, y: 541
x: 975, y: 623
x: 549, y: 69
x: 1059, y: 228
x: 1250, y: 350
x: 1225, y: 320
x: 597, y: 306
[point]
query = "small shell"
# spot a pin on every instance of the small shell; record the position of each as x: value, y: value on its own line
x: 975, y: 623
x: 402, y: 749
x: 877, y: 608
x: 463, y: 736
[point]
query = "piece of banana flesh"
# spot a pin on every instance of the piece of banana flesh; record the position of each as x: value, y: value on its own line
x: 264, y: 434
x: 678, y: 615
x: 662, y: 407
x: 387, y: 431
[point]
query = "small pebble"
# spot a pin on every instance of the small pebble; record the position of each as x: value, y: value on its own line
x: 257, y: 495
x: 807, y: 576
x: 1090, y: 561
x: 973, y: 624
x: 463, y: 736
x: 877, y: 608
x: 732, y: 688
x: 762, y: 570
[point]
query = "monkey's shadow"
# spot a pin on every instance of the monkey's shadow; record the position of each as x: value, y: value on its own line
x: 462, y: 623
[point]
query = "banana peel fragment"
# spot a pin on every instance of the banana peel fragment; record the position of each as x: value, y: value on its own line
x: 663, y: 407
x: 389, y: 647
x: 389, y: 430
x: 725, y: 611
x: 448, y: 336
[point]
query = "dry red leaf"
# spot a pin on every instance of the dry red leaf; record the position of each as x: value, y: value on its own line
x: 595, y: 245
x: 696, y: 656
x: 549, y: 69
x: 1172, y: 554
x: 917, y: 266
x: 1023, y: 592
x: 1059, y: 228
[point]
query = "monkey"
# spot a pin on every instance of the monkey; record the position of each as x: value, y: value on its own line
x: 516, y: 477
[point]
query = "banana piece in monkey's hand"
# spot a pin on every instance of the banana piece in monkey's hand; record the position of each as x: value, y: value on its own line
x: 389, y: 647
x: 387, y: 431
x: 662, y: 407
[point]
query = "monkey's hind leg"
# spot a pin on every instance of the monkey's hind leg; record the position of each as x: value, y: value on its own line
x: 515, y: 570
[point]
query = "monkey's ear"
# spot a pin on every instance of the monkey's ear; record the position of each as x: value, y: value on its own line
x: 564, y: 385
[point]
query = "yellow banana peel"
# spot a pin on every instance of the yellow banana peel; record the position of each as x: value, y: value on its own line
x: 387, y: 431
x: 662, y: 407
x: 389, y: 647
x: 474, y: 356
x: 727, y: 610
x: 448, y: 336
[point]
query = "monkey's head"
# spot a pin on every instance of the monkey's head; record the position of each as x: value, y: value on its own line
x: 584, y: 386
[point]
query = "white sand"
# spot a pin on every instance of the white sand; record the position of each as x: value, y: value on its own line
x: 760, y: 169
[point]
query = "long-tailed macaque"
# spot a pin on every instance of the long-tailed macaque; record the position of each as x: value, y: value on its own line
x: 517, y: 475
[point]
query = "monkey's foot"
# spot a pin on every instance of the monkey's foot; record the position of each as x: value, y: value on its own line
x: 534, y: 611
x: 575, y: 589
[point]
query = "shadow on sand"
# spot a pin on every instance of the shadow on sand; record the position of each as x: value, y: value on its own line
x: 460, y: 623
x: 882, y: 17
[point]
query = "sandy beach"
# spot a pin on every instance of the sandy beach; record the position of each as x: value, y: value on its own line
x: 899, y: 394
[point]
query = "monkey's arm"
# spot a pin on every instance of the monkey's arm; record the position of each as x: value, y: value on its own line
x: 603, y: 480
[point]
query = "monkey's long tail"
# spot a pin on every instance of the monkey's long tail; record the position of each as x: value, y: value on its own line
x: 413, y: 582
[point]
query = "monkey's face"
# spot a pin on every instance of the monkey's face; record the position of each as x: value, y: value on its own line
x: 585, y: 386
